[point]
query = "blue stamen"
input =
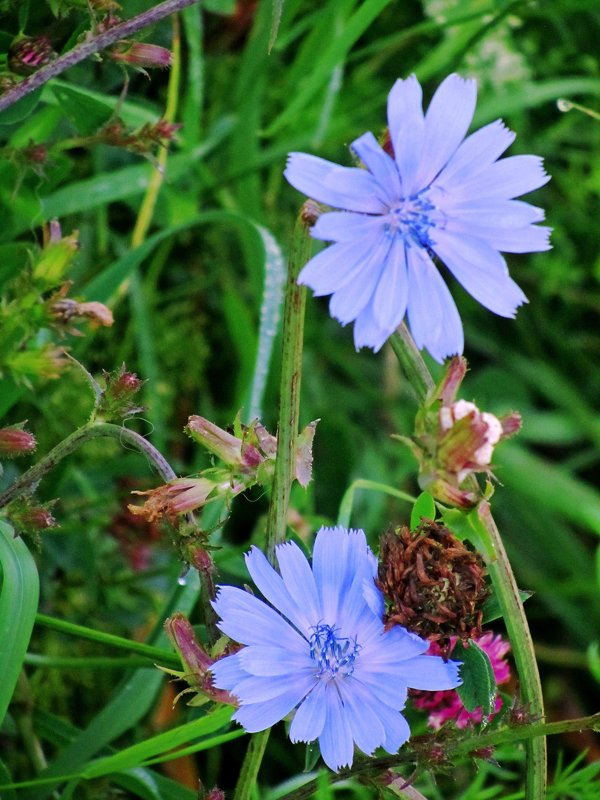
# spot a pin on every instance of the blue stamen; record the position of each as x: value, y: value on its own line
x: 411, y: 219
x: 333, y: 654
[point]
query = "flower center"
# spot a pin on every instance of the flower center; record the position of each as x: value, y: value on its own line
x: 411, y: 218
x: 332, y: 654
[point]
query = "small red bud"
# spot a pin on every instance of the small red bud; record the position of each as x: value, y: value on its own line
x: 141, y: 54
x: 16, y: 441
x: 29, y: 53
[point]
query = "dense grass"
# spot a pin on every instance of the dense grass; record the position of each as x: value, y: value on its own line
x: 187, y: 294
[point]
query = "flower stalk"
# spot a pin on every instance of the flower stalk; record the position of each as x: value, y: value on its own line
x: 26, y: 484
x: 503, y: 580
x: 291, y: 373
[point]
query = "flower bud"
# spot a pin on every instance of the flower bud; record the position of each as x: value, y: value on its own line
x: 28, y: 53
x: 31, y: 518
x: 218, y: 441
x: 195, y: 660
x: 16, y: 441
x: 46, y: 363
x: 141, y: 54
x: 51, y: 266
x: 117, y: 399
x: 454, y: 440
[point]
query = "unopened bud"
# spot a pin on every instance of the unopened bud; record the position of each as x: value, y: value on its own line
x: 452, y: 380
x: 46, y: 363
x: 54, y: 260
x: 28, y: 53
x: 31, y: 518
x: 218, y: 441
x: 195, y: 660
x: 16, y: 441
x: 141, y: 54
x: 117, y: 400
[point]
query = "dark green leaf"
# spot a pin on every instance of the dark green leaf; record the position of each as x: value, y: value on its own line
x: 478, y: 689
x: 21, y: 109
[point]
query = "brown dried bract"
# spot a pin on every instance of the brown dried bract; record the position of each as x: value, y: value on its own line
x: 433, y: 584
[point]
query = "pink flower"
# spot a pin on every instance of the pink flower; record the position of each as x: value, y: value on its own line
x: 446, y: 706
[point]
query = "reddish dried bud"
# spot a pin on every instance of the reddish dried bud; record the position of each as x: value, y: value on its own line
x: 182, y: 495
x: 485, y: 753
x: 220, y: 442
x: 33, y: 156
x: 214, y: 794
x: 310, y: 213
x: 163, y: 131
x: 64, y: 310
x: 195, y: 660
x: 30, y: 518
x: 117, y: 399
x: 29, y: 53
x: 511, y: 424
x: 452, y: 380
x: 141, y: 54
x: 432, y: 583
x: 16, y: 441
x: 201, y: 560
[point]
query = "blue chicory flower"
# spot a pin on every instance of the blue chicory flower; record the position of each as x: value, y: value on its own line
x: 439, y: 195
x: 320, y: 649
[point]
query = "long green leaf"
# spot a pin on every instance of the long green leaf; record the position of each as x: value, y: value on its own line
x: 157, y: 745
x: 132, y: 700
x: 18, y: 604
x: 338, y: 48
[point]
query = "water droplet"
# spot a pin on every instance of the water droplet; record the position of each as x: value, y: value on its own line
x: 564, y: 105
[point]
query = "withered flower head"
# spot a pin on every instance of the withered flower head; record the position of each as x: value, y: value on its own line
x: 432, y: 583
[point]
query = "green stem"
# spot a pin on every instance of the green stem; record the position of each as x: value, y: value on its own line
x: 411, y: 362
x: 374, y: 767
x: 154, y: 653
x: 291, y: 373
x: 27, y: 483
x: 504, y: 584
x: 507, y: 592
x: 254, y: 755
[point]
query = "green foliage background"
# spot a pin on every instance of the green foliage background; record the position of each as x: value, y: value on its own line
x: 187, y: 312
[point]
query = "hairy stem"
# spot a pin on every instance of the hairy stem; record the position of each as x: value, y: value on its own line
x: 27, y: 483
x: 245, y: 787
x: 503, y: 581
x: 94, y: 44
x: 289, y: 402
